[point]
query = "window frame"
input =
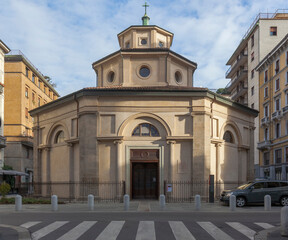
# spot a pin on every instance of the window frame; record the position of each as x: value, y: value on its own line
x: 265, y: 92
x: 277, y: 84
x: 277, y: 66
x: 57, y: 139
x: 277, y: 104
x: 278, y: 130
x: 266, y: 161
x: 277, y: 157
x: 266, y: 76
x: 140, y: 131
x: 252, y: 57
x: 273, y: 31
x: 252, y: 91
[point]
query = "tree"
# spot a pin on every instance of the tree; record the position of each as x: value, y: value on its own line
x: 222, y: 91
x: 49, y: 80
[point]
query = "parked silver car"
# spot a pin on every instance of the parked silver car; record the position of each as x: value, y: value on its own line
x: 254, y: 192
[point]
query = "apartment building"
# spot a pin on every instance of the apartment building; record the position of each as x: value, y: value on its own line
x: 3, y: 50
x: 273, y: 112
x: 25, y: 89
x: 263, y: 35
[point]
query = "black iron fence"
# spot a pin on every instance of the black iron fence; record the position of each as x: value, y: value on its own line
x: 185, y: 191
x: 74, y: 191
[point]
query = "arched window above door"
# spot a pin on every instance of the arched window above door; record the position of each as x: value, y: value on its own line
x: 228, y: 137
x: 59, y: 138
x: 145, y: 130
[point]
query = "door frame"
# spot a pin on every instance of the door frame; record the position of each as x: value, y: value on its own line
x: 128, y: 169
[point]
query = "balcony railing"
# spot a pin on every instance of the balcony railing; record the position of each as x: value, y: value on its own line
x: 239, y: 93
x: 265, y: 121
x: 243, y: 73
x: 240, y: 60
x: 277, y: 115
x: 285, y: 109
x: 264, y: 145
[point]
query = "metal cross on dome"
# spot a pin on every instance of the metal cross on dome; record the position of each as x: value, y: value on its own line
x: 145, y: 5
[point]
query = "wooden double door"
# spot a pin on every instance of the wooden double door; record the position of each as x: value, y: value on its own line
x: 145, y: 173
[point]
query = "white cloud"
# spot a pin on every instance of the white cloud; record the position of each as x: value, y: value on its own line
x: 63, y: 38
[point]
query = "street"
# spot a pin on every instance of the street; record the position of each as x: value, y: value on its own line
x: 143, y: 225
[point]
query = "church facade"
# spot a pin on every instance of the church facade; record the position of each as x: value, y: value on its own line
x: 144, y: 124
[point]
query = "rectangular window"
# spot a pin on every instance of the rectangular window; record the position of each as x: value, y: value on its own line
x: 26, y: 92
x: 252, y: 91
x: 266, y: 111
x: 33, y: 78
x: 26, y: 113
x: 39, y: 83
x: 252, y: 41
x: 27, y: 72
x: 265, y: 76
x: 287, y: 77
x: 277, y: 84
x: 278, y: 173
x: 252, y: 56
x: 278, y: 156
x: 277, y: 130
x: 286, y: 57
x: 33, y: 97
x: 286, y: 154
x: 266, y: 134
x: 266, y: 158
x: 277, y: 104
x: 39, y: 102
x: 286, y: 127
x: 44, y: 89
x: 277, y: 67
x: 273, y: 31
x: 286, y: 96
x: 265, y: 92
x: 252, y: 73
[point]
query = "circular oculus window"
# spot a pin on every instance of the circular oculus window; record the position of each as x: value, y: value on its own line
x: 144, y: 71
x: 111, y: 77
x: 178, y: 77
x: 144, y: 41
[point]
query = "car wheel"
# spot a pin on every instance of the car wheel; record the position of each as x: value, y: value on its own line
x: 284, y: 201
x: 240, y: 202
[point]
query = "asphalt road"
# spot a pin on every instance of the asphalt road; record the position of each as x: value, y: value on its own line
x: 142, y: 225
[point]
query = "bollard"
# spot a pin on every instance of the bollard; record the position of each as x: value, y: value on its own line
x: 284, y: 221
x: 54, y: 203
x: 267, y: 203
x: 162, y: 201
x: 91, y: 202
x: 232, y: 203
x: 18, y: 203
x: 197, y: 202
x: 126, y: 202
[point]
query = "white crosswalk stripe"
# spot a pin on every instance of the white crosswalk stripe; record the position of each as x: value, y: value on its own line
x: 48, y: 229
x: 242, y: 229
x: 180, y: 231
x: 264, y: 225
x: 214, y: 231
x: 29, y: 224
x: 111, y: 231
x: 77, y: 231
x: 146, y: 231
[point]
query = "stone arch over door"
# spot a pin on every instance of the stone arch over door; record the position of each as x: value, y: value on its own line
x: 144, y: 143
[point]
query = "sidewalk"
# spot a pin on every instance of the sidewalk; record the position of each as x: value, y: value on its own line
x: 9, y: 232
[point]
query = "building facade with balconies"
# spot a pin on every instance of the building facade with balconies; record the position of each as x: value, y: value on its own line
x: 25, y: 89
x: 3, y: 50
x: 263, y: 35
x: 273, y: 112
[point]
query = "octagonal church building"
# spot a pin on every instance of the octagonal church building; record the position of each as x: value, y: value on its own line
x: 145, y: 130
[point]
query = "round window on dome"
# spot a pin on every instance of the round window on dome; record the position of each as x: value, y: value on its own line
x: 111, y: 77
x: 143, y: 41
x: 144, y: 71
x: 178, y: 77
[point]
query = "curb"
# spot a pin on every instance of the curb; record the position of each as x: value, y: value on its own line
x: 23, y: 233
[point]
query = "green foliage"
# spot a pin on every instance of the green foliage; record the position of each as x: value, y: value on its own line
x: 222, y: 91
x: 7, y: 167
x: 4, y: 189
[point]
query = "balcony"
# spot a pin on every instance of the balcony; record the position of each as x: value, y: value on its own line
x: 241, y: 59
x: 285, y: 110
x: 2, y: 142
x: 276, y: 116
x: 240, y: 92
x: 241, y: 76
x: 264, y: 145
x: 265, y: 121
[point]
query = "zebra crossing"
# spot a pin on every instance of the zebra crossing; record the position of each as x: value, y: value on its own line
x: 61, y: 230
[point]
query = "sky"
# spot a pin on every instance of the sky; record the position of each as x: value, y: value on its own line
x: 62, y: 38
